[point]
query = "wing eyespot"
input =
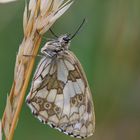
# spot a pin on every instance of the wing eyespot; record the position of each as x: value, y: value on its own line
x: 73, y: 101
x: 57, y: 110
x: 80, y: 98
x: 38, y: 101
x: 47, y: 106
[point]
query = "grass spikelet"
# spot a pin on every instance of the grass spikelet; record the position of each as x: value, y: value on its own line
x: 38, y: 17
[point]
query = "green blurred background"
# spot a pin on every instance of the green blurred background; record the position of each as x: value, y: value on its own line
x: 109, y: 49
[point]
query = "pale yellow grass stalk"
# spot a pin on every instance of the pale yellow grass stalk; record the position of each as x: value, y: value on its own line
x: 0, y: 131
x: 6, y: 1
x: 39, y: 16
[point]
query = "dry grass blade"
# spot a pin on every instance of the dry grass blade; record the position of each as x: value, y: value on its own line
x: 6, y: 1
x: 8, y: 111
x: 38, y: 17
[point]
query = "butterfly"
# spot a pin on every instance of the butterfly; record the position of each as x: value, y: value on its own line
x: 60, y: 95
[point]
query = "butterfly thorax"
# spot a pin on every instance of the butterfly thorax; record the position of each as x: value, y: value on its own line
x: 56, y: 47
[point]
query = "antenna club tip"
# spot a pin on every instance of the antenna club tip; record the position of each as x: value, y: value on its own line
x: 84, y: 20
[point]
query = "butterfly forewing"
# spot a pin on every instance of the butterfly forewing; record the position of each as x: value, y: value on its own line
x: 60, y: 96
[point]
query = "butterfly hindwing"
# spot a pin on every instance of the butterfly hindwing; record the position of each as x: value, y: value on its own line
x: 60, y: 96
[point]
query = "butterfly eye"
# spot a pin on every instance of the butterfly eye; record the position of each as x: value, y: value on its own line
x: 47, y: 106
x: 66, y: 39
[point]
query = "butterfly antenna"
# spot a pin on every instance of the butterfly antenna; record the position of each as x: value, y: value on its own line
x: 53, y: 33
x: 84, y: 20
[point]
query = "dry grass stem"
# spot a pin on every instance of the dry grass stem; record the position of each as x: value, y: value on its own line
x: 6, y: 1
x: 0, y: 130
x: 8, y: 111
x: 38, y: 17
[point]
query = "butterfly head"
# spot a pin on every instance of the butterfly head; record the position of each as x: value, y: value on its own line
x: 64, y: 41
x: 60, y: 44
x: 56, y: 46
